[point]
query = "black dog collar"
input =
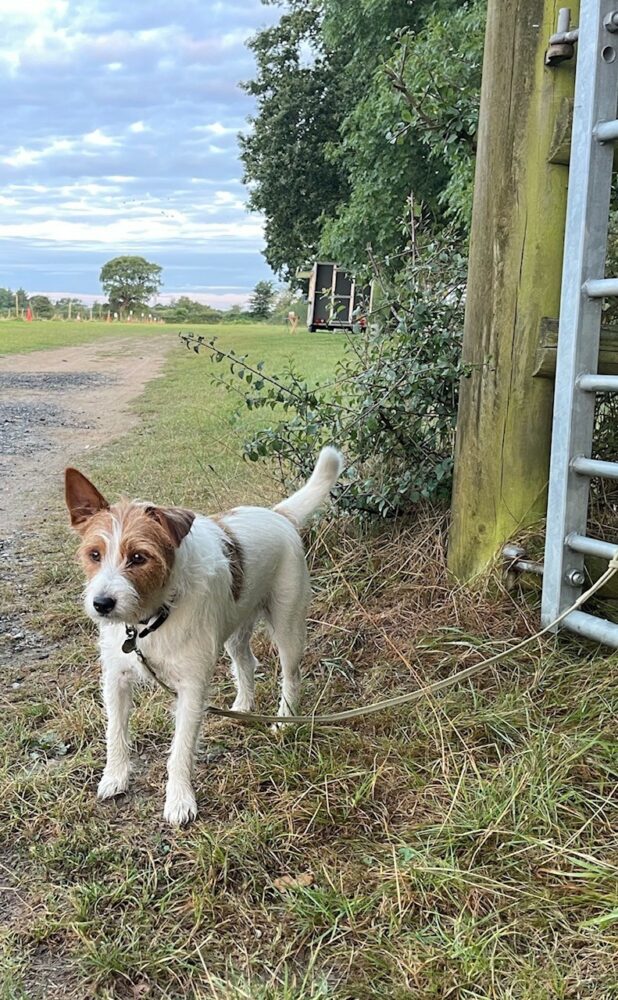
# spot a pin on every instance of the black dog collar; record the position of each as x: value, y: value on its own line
x: 130, y: 643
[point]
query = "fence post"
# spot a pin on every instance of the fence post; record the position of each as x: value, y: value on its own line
x: 504, y: 421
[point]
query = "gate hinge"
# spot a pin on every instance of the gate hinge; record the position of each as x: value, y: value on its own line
x: 562, y: 43
x: 515, y: 562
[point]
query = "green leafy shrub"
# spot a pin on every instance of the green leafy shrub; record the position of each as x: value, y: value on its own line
x: 391, y: 405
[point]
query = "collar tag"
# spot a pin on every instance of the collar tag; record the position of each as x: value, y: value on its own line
x: 129, y: 644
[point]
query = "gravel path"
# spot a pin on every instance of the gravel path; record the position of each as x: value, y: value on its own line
x: 26, y: 422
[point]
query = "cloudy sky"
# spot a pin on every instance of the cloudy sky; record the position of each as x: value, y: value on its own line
x: 119, y: 136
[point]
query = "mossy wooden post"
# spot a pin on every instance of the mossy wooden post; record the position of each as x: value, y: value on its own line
x: 518, y: 219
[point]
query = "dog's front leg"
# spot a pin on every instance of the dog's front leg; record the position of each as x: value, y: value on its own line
x: 180, y: 804
x: 118, y: 700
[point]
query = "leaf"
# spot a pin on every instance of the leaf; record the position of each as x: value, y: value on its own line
x: 287, y: 882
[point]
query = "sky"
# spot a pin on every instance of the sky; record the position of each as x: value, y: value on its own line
x: 120, y: 122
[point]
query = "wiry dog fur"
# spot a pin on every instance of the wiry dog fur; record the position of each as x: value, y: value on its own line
x: 218, y: 576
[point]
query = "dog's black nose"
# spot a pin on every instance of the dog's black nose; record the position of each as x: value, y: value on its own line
x: 104, y: 605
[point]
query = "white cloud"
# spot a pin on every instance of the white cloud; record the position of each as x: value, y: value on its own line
x: 138, y: 127
x: 216, y: 128
x: 236, y: 37
x: 228, y: 199
x: 138, y: 232
x: 91, y: 188
x: 34, y: 10
x: 23, y: 157
x: 27, y: 157
x: 34, y: 188
x: 99, y: 138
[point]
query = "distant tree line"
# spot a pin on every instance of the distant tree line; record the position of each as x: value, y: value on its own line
x: 130, y: 281
x: 16, y: 302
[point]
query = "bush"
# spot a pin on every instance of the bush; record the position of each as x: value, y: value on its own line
x: 392, y: 403
x: 186, y: 310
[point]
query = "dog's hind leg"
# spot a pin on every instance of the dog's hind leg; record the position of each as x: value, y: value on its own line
x: 291, y: 646
x: 287, y: 616
x: 238, y: 646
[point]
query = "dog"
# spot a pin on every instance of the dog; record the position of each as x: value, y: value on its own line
x: 170, y: 588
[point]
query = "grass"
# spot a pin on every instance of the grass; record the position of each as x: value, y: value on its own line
x: 17, y: 336
x: 462, y: 848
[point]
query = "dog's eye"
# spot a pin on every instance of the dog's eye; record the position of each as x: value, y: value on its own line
x: 95, y: 555
x: 137, y: 559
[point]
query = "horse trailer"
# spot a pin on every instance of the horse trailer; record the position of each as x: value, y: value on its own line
x: 335, y: 300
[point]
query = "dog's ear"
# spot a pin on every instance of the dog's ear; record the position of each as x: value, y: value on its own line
x: 83, y: 499
x: 176, y: 520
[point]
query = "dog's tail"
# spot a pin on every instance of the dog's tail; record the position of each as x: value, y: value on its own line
x: 312, y: 495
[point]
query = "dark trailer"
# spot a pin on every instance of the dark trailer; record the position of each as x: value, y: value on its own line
x: 335, y: 301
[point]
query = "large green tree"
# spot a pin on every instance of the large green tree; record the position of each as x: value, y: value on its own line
x: 412, y: 135
x: 129, y: 282
x: 300, y: 107
x: 359, y: 106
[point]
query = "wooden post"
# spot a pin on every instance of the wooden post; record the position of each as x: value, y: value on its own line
x: 518, y: 219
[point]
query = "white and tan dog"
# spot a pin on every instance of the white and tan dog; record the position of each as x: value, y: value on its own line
x: 182, y: 586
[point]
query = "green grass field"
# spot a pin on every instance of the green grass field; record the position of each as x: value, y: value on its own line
x: 463, y: 848
x: 17, y: 336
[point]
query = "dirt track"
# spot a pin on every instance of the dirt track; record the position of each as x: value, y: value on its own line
x: 54, y: 406
x: 57, y: 404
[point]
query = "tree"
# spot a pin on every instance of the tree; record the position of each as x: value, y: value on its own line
x: 261, y: 302
x: 41, y: 306
x: 70, y: 307
x: 7, y: 299
x: 129, y: 282
x: 358, y: 106
x: 380, y: 171
x: 300, y: 106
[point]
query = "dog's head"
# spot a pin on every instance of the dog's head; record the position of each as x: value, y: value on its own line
x: 127, y: 550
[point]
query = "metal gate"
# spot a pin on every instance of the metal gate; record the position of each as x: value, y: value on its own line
x: 583, y: 289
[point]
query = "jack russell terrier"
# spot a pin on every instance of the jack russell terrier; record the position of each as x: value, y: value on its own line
x: 170, y: 588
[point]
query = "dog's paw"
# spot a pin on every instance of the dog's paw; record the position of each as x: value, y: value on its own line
x: 285, y: 709
x: 243, y: 704
x: 180, y: 805
x: 113, y: 782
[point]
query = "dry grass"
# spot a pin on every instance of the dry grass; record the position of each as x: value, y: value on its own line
x: 463, y: 848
